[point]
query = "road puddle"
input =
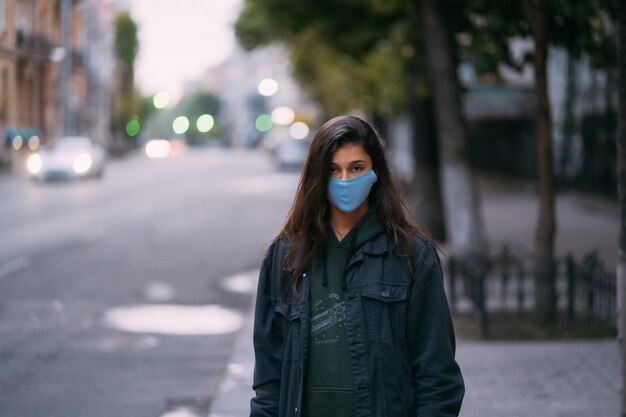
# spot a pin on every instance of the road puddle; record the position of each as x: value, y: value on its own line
x: 173, y: 319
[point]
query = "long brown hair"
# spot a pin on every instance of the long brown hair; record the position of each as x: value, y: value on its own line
x: 305, y: 223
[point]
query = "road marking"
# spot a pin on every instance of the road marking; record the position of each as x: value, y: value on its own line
x: 14, y: 265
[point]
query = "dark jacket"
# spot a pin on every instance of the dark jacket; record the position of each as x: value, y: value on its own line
x: 398, y: 326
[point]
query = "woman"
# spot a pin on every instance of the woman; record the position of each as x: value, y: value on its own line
x: 351, y: 316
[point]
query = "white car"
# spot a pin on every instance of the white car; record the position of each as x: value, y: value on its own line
x: 66, y: 158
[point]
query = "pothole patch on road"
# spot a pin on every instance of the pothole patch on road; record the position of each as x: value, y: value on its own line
x: 173, y: 319
x: 242, y: 283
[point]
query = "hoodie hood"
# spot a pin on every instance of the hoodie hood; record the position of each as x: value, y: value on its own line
x: 366, y: 229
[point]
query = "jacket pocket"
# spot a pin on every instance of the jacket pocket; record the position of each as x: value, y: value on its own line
x: 384, y: 308
x: 290, y: 320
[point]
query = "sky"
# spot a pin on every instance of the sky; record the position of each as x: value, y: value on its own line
x: 180, y: 39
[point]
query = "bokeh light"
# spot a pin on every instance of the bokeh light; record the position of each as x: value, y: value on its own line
x: 205, y: 123
x: 299, y: 130
x: 33, y: 143
x: 133, y: 127
x: 283, y: 116
x: 158, y: 148
x: 82, y: 163
x: 268, y: 87
x: 263, y: 123
x: 17, y: 142
x: 161, y: 100
x: 180, y: 125
x: 34, y: 164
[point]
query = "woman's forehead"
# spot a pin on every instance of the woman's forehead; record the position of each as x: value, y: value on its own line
x: 350, y: 152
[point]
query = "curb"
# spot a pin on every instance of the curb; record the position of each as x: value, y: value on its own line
x: 232, y: 398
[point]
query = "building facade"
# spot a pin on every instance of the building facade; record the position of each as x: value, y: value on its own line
x: 32, y: 102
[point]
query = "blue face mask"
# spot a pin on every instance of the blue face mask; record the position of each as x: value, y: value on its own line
x: 348, y: 195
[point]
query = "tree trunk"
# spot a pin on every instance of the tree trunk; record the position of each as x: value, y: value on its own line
x: 568, y: 119
x: 621, y: 181
x: 461, y: 203
x: 426, y: 187
x: 546, y: 226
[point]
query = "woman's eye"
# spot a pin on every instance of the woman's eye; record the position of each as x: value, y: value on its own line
x: 357, y: 168
x: 333, y: 170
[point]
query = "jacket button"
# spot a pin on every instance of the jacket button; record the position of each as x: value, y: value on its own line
x: 385, y: 293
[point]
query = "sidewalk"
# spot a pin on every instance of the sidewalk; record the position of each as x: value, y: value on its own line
x: 507, y: 378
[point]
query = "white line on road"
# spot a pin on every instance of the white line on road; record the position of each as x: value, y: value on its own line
x: 14, y: 265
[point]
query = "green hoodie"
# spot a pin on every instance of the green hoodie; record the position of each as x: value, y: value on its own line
x: 329, y: 387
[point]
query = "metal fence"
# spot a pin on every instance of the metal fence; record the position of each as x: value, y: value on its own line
x: 505, y: 282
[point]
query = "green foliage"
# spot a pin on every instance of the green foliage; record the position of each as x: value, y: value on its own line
x: 126, y: 43
x: 368, y: 53
x: 127, y: 102
x: 484, y: 28
x: 342, y: 51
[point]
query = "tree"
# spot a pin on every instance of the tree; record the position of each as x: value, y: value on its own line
x: 621, y: 178
x: 460, y: 196
x: 127, y: 100
x: 546, y: 226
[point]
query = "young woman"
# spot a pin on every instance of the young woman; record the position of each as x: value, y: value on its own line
x: 351, y: 316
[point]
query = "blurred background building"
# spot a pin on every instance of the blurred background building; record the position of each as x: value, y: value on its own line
x: 501, y: 126
x: 31, y: 72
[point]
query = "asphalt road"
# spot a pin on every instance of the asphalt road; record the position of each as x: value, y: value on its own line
x: 117, y: 296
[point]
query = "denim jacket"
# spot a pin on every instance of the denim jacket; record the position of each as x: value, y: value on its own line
x: 398, y: 326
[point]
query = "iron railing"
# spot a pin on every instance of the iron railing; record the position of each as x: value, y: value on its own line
x: 505, y: 282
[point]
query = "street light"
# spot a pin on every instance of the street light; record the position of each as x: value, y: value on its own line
x: 133, y: 127
x: 161, y: 100
x: 299, y: 130
x: 268, y: 87
x: 283, y: 116
x: 205, y: 123
x: 263, y: 123
x: 180, y: 125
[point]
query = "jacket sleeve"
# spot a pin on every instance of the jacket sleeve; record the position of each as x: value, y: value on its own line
x: 268, y: 344
x: 437, y: 376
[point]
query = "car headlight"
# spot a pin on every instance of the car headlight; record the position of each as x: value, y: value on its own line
x: 82, y: 163
x: 34, y: 164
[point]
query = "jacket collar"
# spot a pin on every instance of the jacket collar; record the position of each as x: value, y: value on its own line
x: 376, y: 246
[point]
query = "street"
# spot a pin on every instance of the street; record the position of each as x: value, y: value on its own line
x: 115, y: 296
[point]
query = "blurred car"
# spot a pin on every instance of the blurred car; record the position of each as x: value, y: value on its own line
x: 290, y: 154
x: 66, y: 158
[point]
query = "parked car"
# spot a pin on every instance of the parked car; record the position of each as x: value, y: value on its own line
x: 290, y: 154
x: 66, y: 158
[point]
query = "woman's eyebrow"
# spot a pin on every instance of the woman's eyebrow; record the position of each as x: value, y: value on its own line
x: 351, y: 162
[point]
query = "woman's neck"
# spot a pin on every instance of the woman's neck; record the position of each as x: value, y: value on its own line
x: 342, y: 222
